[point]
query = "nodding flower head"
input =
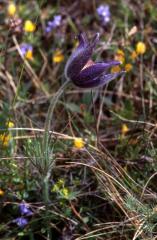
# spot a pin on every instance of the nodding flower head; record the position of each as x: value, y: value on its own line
x: 82, y: 71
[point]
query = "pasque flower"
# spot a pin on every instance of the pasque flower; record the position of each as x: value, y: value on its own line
x: 82, y: 71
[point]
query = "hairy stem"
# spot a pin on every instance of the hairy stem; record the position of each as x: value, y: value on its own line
x: 50, y: 112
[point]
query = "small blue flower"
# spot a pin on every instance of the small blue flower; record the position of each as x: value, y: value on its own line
x: 21, y: 221
x: 56, y: 22
x: 24, y: 209
x: 82, y: 71
x: 104, y: 14
x: 25, y: 47
x: 48, y: 29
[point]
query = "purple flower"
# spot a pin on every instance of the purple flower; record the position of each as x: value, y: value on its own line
x: 82, y: 71
x: 104, y: 14
x: 48, y: 29
x: 21, y: 221
x: 25, y: 47
x: 24, y: 209
x: 56, y: 22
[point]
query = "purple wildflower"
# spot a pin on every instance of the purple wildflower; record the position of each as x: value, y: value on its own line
x: 21, y: 221
x: 104, y: 14
x: 56, y: 22
x: 82, y: 71
x: 25, y: 47
x: 24, y: 209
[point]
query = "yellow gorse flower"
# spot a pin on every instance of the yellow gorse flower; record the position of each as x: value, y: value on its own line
x: 1, y: 192
x: 58, y: 56
x: 128, y: 67
x: 140, y: 48
x: 29, y: 26
x: 79, y: 143
x: 11, y: 9
x: 5, y: 139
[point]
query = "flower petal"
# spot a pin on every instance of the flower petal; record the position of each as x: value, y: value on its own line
x: 80, y: 56
x: 82, y: 40
x: 98, y: 81
x: 95, y: 70
x: 24, y: 209
x: 20, y: 221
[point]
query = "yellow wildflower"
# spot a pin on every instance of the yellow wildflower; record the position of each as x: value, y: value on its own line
x: 58, y: 56
x: 115, y: 69
x: 120, y: 52
x: 5, y: 139
x: 29, y: 26
x: 29, y: 55
x: 1, y: 192
x: 133, y: 55
x: 10, y: 124
x: 11, y: 9
x: 79, y: 143
x: 55, y: 188
x: 128, y: 67
x: 140, y: 48
x: 60, y: 182
x: 120, y: 56
x: 124, y: 129
x: 65, y: 192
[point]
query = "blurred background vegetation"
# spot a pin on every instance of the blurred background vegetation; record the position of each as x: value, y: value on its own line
x: 97, y: 177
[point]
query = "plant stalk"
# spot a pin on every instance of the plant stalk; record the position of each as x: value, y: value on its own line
x: 50, y: 112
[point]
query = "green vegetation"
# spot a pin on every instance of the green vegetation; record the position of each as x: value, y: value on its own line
x: 78, y: 162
